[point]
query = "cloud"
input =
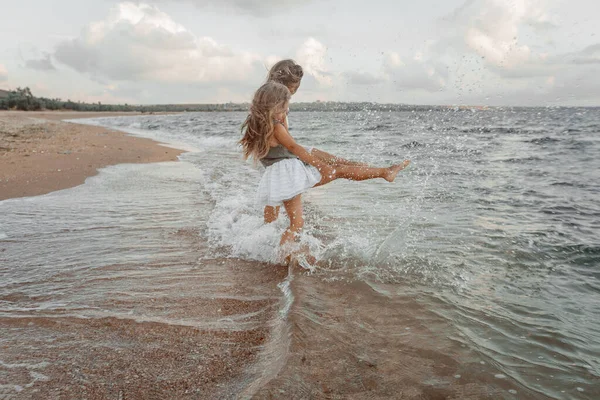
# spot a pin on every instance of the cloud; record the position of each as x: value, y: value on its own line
x: 140, y: 42
x: 311, y: 56
x: 363, y: 78
x: 589, y: 55
x: 543, y: 25
x: 499, y: 54
x: 545, y: 65
x: 3, y: 73
x: 41, y: 64
x: 491, y: 30
x: 257, y: 8
x: 567, y: 87
x: 418, y: 73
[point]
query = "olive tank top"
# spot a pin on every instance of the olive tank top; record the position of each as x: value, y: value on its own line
x: 275, y: 154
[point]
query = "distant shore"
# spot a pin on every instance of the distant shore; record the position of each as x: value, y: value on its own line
x: 39, y: 153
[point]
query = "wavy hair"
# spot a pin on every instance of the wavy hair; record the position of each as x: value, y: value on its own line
x: 286, y: 72
x: 259, y: 127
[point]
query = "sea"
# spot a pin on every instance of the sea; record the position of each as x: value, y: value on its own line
x: 476, y: 274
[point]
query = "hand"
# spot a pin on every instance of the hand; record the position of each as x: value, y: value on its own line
x: 405, y: 163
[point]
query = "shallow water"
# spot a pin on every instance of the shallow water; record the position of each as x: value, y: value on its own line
x: 474, y: 275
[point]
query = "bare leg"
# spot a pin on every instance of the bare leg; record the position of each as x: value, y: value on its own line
x: 335, y: 160
x: 271, y: 214
x: 362, y: 173
x: 293, y: 208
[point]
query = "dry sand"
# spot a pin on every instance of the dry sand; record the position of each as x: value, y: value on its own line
x: 39, y: 153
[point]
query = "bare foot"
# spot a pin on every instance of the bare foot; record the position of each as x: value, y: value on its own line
x: 392, y: 171
x: 306, y: 261
x: 300, y: 256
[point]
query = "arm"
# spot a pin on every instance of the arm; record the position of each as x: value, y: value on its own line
x: 287, y: 141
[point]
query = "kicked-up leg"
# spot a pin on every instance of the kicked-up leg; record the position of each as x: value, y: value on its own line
x: 335, y: 160
x: 359, y: 173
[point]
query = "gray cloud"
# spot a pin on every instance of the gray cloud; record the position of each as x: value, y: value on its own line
x: 362, y: 78
x: 589, y: 55
x: 41, y: 64
x: 3, y: 73
x: 552, y: 65
x: 543, y: 26
x: 419, y: 73
x: 566, y: 88
x: 74, y: 54
x: 587, y: 61
x: 415, y: 74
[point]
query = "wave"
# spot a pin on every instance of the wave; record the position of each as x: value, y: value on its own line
x: 413, y: 145
x: 543, y: 140
x: 515, y: 160
x: 378, y: 127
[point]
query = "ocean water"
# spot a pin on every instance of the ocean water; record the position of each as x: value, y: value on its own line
x: 475, y: 275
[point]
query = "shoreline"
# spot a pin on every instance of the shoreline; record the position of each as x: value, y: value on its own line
x: 40, y: 153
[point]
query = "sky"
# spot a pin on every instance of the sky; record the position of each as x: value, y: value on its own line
x: 473, y: 52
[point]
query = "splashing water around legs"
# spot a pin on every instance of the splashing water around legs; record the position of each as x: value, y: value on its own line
x: 293, y: 207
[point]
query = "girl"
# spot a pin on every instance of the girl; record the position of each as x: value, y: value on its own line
x: 291, y: 169
x: 290, y: 74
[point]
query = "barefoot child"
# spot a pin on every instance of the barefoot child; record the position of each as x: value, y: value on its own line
x: 291, y: 169
x: 290, y: 74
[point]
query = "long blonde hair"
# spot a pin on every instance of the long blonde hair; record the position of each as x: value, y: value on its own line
x: 270, y: 99
x: 286, y: 72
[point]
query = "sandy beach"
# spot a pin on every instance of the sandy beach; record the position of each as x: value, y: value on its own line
x: 131, y: 355
x: 40, y: 153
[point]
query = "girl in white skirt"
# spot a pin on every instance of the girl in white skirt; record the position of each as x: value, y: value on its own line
x: 290, y: 74
x: 291, y: 169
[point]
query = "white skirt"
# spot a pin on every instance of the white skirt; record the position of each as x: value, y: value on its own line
x: 285, y: 180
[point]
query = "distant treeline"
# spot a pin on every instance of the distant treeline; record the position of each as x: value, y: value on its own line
x: 23, y: 99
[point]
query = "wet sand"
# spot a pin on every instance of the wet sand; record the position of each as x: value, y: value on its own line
x: 57, y: 355
x: 348, y: 342
x: 39, y: 153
